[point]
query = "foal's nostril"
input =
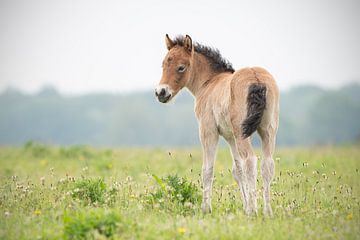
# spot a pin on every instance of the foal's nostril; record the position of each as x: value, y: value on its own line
x: 162, y: 92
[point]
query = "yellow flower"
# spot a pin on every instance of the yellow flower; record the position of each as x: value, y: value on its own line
x: 349, y: 216
x: 181, y: 230
x: 37, y: 212
x: 43, y: 162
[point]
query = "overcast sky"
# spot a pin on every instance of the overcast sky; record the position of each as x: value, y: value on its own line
x: 96, y: 46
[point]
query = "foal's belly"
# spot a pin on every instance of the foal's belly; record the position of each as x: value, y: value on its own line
x: 219, y: 101
x: 222, y: 119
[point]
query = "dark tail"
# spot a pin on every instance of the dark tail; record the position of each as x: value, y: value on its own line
x: 256, y: 102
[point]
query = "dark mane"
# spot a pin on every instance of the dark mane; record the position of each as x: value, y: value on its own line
x: 217, y: 62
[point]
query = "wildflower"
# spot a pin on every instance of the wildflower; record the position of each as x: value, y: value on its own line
x: 188, y: 204
x: 70, y: 178
x: 43, y: 162
x: 42, y: 180
x: 181, y: 230
x: 37, y: 212
x: 52, y: 172
x: 349, y: 216
x: 231, y: 217
x: 26, y: 189
x: 7, y: 214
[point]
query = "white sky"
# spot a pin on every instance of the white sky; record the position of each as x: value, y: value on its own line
x: 91, y: 46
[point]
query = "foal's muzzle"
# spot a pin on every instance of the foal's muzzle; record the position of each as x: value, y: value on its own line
x: 162, y: 93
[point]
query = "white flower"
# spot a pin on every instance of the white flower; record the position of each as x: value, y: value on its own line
x: 42, y: 180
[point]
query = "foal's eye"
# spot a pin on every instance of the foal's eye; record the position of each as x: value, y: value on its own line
x: 181, y: 68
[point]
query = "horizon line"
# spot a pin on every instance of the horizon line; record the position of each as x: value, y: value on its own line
x: 50, y: 87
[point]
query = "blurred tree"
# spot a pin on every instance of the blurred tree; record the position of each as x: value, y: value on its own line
x: 309, y: 115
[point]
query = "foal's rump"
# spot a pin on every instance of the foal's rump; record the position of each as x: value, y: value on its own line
x: 257, y: 92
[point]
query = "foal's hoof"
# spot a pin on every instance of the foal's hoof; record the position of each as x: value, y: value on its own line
x: 206, y: 208
x: 251, y: 212
x: 268, y: 211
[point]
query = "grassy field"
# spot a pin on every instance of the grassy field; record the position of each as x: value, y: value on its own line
x: 86, y: 193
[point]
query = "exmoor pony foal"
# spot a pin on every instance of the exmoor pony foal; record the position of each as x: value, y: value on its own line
x: 233, y: 104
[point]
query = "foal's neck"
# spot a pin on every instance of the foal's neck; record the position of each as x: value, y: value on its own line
x: 201, y: 75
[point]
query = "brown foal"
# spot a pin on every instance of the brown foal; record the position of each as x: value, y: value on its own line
x: 229, y: 103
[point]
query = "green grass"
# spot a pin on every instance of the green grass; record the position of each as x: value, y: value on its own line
x: 86, y: 193
x: 87, y: 224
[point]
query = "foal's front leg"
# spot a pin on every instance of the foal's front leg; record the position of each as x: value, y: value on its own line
x: 209, y: 137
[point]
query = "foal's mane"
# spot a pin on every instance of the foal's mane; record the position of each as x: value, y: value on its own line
x: 217, y: 62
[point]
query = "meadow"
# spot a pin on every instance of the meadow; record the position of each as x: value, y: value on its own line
x: 80, y: 192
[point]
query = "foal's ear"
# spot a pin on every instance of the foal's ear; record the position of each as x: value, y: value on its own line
x: 188, y: 43
x: 169, y: 42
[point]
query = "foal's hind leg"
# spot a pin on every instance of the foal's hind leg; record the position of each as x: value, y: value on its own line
x: 250, y: 169
x: 268, y: 136
x: 238, y: 170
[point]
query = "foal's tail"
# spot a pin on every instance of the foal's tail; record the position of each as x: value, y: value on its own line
x: 256, y: 102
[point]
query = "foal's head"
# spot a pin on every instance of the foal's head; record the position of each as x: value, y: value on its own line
x: 176, y: 68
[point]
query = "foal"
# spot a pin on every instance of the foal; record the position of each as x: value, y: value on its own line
x: 233, y: 104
